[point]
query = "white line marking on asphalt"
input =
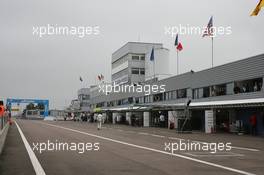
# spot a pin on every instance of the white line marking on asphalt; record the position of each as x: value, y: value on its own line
x: 230, y: 154
x: 153, y: 150
x: 155, y: 135
x: 143, y: 133
x: 34, y: 160
x: 234, y: 147
x: 247, y: 149
x: 175, y: 138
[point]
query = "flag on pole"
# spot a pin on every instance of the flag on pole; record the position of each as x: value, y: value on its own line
x: 152, y: 55
x: 176, y: 41
x: 99, y: 77
x: 258, y: 8
x: 179, y: 47
x: 209, y: 29
x: 210, y: 32
x: 81, y: 80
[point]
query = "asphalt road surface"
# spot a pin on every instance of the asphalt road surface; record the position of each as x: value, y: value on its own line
x: 79, y: 148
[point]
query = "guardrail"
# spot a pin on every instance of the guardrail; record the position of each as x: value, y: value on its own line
x: 3, y: 121
x: 4, y: 125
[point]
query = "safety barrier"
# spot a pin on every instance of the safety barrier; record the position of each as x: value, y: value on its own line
x: 4, y: 126
x: 3, y: 121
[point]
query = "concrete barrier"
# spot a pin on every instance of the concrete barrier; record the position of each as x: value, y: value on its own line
x: 3, y: 134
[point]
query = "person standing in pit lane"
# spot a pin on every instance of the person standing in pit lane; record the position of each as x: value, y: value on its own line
x: 99, y: 121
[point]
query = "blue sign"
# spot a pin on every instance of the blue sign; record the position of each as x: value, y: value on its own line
x: 9, y: 102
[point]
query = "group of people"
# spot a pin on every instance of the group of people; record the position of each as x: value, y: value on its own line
x: 159, y: 121
x: 97, y: 117
x: 248, y: 88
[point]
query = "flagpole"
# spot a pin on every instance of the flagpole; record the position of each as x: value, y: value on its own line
x: 177, y: 62
x: 154, y: 69
x: 212, y: 51
x: 153, y: 60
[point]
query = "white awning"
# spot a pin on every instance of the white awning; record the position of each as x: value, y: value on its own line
x: 228, y: 102
x: 259, y: 101
x: 126, y: 108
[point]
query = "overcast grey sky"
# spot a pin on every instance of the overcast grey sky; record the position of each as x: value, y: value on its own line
x: 49, y: 67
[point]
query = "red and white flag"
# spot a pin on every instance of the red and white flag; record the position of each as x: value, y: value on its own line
x: 179, y: 47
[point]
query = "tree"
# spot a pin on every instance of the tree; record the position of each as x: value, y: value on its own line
x: 40, y: 106
x: 30, y: 106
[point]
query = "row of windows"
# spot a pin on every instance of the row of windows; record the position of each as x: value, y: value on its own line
x: 210, y: 91
x: 119, y: 61
x: 245, y: 86
x: 138, y: 71
x: 82, y: 97
x: 177, y: 94
x: 85, y: 104
x: 125, y: 58
x: 100, y: 105
x: 120, y: 74
x: 138, y: 57
x: 120, y: 102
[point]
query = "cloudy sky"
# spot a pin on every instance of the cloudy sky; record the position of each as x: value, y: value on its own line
x: 49, y: 67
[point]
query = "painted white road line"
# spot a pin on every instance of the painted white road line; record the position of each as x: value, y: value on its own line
x: 143, y: 133
x: 230, y: 154
x: 247, y: 149
x: 155, y: 135
x: 233, y: 147
x: 176, y: 138
x: 36, y: 165
x: 153, y: 150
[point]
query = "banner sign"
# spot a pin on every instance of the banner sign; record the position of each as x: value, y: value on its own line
x: 209, y: 121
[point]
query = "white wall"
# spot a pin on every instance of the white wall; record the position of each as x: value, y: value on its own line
x: 162, y: 64
x: 146, y: 119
